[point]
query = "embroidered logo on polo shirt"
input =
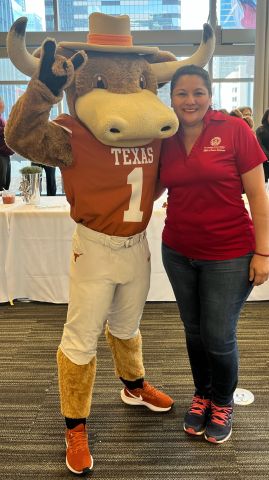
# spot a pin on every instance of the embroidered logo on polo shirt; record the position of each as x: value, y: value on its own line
x: 215, y: 145
x: 214, y: 142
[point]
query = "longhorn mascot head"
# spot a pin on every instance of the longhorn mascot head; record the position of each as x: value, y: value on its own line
x: 113, y: 90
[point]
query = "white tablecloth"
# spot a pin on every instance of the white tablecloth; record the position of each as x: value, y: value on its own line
x: 4, y: 237
x: 35, y: 251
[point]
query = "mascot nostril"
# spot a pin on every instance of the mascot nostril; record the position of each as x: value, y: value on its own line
x: 109, y: 181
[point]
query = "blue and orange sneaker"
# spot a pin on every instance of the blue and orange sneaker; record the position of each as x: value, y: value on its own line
x: 219, y: 426
x: 196, y: 417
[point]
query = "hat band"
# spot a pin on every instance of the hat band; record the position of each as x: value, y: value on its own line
x: 122, y: 40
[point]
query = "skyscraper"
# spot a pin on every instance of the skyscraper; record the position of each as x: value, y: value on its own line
x: 144, y: 15
x: 6, y: 15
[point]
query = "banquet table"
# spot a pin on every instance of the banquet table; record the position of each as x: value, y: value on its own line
x: 35, y: 251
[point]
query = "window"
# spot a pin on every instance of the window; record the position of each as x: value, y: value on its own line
x: 233, y: 75
x: 12, y: 85
x: 10, y: 10
x: 237, y: 13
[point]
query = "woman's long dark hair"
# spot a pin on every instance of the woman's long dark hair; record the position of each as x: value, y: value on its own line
x: 265, y: 118
x: 191, y: 70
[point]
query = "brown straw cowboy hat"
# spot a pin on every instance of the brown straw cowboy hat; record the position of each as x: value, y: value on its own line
x: 109, y: 33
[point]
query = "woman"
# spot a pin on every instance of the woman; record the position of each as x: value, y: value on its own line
x: 262, y: 133
x: 5, y: 153
x: 246, y: 111
x: 210, y: 253
x: 247, y: 118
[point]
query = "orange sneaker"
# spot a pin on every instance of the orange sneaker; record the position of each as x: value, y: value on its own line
x: 78, y: 457
x: 148, y: 396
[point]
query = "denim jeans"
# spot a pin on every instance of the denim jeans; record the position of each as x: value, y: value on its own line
x: 210, y: 295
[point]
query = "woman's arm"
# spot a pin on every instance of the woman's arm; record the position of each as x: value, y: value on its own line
x: 159, y: 190
x: 253, y: 182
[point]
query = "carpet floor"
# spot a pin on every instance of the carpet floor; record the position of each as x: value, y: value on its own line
x: 126, y: 442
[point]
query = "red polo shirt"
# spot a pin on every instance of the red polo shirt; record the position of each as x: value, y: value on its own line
x: 206, y: 216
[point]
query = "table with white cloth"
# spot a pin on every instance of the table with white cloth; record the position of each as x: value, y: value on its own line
x: 35, y: 260
x: 35, y: 253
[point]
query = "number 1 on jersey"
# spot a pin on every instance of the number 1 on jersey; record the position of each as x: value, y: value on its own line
x: 135, y: 179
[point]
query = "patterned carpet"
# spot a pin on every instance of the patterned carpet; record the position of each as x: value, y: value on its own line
x: 127, y: 442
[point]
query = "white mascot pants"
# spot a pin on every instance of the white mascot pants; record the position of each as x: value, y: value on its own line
x: 109, y: 281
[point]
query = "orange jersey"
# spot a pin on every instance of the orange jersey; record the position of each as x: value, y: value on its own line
x: 109, y: 189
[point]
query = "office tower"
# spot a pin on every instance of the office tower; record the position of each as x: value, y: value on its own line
x: 145, y: 15
x: 6, y: 15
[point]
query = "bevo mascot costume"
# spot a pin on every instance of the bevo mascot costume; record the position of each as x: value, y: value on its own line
x: 107, y: 150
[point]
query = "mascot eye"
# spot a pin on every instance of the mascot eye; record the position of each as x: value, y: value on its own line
x: 99, y: 82
x: 142, y: 82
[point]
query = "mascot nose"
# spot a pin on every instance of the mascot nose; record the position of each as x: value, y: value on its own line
x: 116, y: 126
x: 122, y: 128
x: 166, y: 128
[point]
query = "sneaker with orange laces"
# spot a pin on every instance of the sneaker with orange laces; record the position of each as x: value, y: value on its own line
x: 148, y: 396
x: 78, y: 457
x: 219, y: 426
x: 196, y: 417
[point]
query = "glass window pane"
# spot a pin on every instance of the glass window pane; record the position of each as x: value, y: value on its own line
x: 231, y: 95
x: 10, y: 94
x: 144, y: 14
x: 233, y: 67
x: 164, y: 94
x: 10, y: 10
x: 194, y: 14
x: 9, y: 72
x: 236, y: 13
x: 229, y: 92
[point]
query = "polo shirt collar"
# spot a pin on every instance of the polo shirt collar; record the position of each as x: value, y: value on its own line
x: 210, y: 116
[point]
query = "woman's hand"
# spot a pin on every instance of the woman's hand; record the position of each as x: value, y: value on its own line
x: 258, y: 270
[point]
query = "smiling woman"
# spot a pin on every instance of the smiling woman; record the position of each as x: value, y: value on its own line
x: 191, y: 97
x: 212, y: 252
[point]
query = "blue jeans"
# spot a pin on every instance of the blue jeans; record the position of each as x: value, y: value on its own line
x: 210, y: 295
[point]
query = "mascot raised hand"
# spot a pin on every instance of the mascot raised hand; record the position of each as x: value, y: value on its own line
x: 107, y: 150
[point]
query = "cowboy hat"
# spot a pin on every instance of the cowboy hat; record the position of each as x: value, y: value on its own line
x: 109, y: 33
